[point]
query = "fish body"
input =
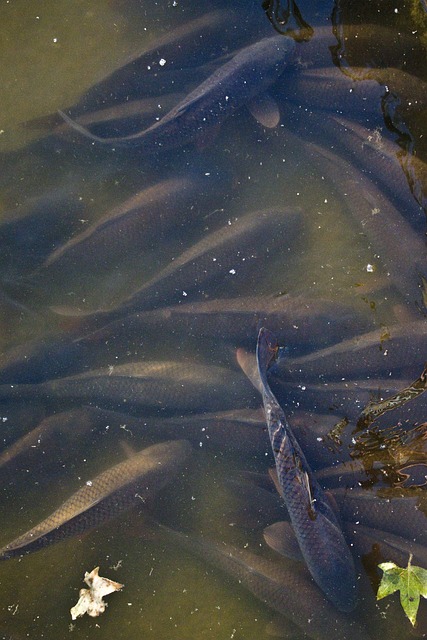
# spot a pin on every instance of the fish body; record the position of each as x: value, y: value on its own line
x: 286, y: 588
x: 402, y: 515
x: 236, y: 319
x: 248, y: 74
x: 108, y: 494
x: 377, y: 352
x: 167, y: 386
x: 316, y: 526
x: 180, y: 48
x: 129, y: 227
x: 225, y: 256
x: 401, y: 250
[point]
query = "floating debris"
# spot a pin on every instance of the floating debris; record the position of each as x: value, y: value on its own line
x: 90, y: 600
x: 375, y: 409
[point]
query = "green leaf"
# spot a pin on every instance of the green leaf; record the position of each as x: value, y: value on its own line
x: 411, y: 582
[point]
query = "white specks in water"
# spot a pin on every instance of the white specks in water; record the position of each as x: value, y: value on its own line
x: 370, y: 268
x: 162, y: 62
x: 232, y: 271
x: 89, y: 483
x: 185, y: 294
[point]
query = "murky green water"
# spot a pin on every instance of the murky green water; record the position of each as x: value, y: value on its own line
x: 52, y: 53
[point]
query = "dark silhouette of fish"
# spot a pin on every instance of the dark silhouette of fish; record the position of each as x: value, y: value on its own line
x: 108, y: 494
x: 379, y: 352
x: 129, y: 227
x: 236, y: 83
x: 167, y: 386
x: 225, y: 256
x: 285, y: 587
x: 400, y: 249
x: 397, y: 511
x: 316, y: 526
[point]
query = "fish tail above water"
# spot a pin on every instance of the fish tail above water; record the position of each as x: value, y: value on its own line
x: 316, y: 526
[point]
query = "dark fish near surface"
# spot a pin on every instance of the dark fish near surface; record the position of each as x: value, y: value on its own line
x: 379, y: 352
x: 316, y: 526
x: 343, y: 398
x: 71, y: 425
x: 234, y: 320
x: 301, y: 318
x: 225, y: 256
x: 330, y: 89
x: 284, y: 587
x: 180, y: 48
x: 400, y: 249
x: 166, y: 386
x: 403, y: 513
x: 247, y: 75
x: 102, y: 498
x: 130, y: 226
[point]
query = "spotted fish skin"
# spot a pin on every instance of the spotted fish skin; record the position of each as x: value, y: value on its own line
x: 316, y: 526
x: 108, y: 494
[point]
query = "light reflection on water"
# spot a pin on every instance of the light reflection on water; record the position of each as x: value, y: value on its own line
x: 55, y: 53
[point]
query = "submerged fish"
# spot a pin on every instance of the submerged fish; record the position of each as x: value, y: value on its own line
x: 316, y: 526
x: 402, y: 513
x: 164, y: 385
x: 236, y: 83
x: 104, y: 497
x: 180, y: 47
x: 380, y: 352
x: 400, y: 249
x: 71, y: 425
x: 284, y: 587
x: 224, y: 256
x: 130, y: 227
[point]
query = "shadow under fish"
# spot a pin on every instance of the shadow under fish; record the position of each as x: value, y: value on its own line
x: 316, y: 526
x: 108, y: 494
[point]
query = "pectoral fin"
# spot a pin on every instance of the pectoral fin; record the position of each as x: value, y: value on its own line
x: 265, y: 110
x: 281, y: 537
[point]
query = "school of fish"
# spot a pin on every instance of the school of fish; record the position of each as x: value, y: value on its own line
x: 215, y: 325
